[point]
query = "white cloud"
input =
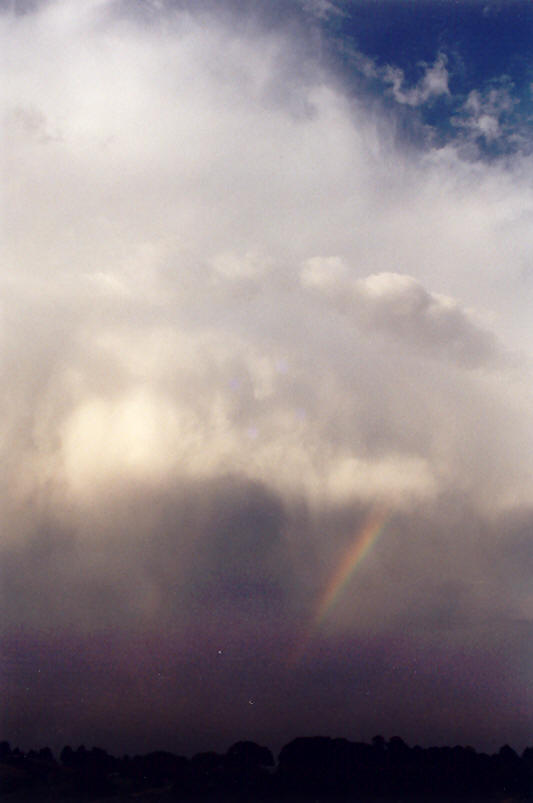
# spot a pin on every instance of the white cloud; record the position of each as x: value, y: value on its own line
x: 400, y: 305
x: 166, y: 183
x: 322, y: 8
x: 483, y: 114
x: 433, y: 83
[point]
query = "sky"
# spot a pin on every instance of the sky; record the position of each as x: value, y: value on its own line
x: 267, y: 372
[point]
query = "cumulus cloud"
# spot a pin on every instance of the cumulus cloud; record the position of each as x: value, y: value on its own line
x: 201, y: 407
x: 402, y: 307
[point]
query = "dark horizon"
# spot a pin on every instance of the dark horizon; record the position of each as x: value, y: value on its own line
x: 306, y: 768
x: 88, y: 745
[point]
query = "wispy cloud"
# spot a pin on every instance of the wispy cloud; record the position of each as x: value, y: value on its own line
x: 485, y: 114
x: 323, y: 8
x: 432, y: 84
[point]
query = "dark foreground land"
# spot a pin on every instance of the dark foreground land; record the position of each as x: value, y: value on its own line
x: 317, y: 769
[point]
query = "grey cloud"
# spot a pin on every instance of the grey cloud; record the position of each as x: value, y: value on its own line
x: 29, y: 121
x: 400, y: 306
x: 149, y: 557
x: 246, y: 560
x: 194, y: 667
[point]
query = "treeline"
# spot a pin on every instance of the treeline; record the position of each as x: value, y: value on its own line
x: 307, y: 768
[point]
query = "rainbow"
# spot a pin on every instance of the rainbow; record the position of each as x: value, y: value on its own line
x: 365, y: 539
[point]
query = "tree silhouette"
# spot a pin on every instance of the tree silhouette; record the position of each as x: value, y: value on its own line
x: 309, y: 768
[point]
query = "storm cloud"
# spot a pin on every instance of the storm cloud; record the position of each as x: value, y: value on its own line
x: 238, y: 315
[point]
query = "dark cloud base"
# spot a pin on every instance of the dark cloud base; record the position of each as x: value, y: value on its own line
x: 184, y: 637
